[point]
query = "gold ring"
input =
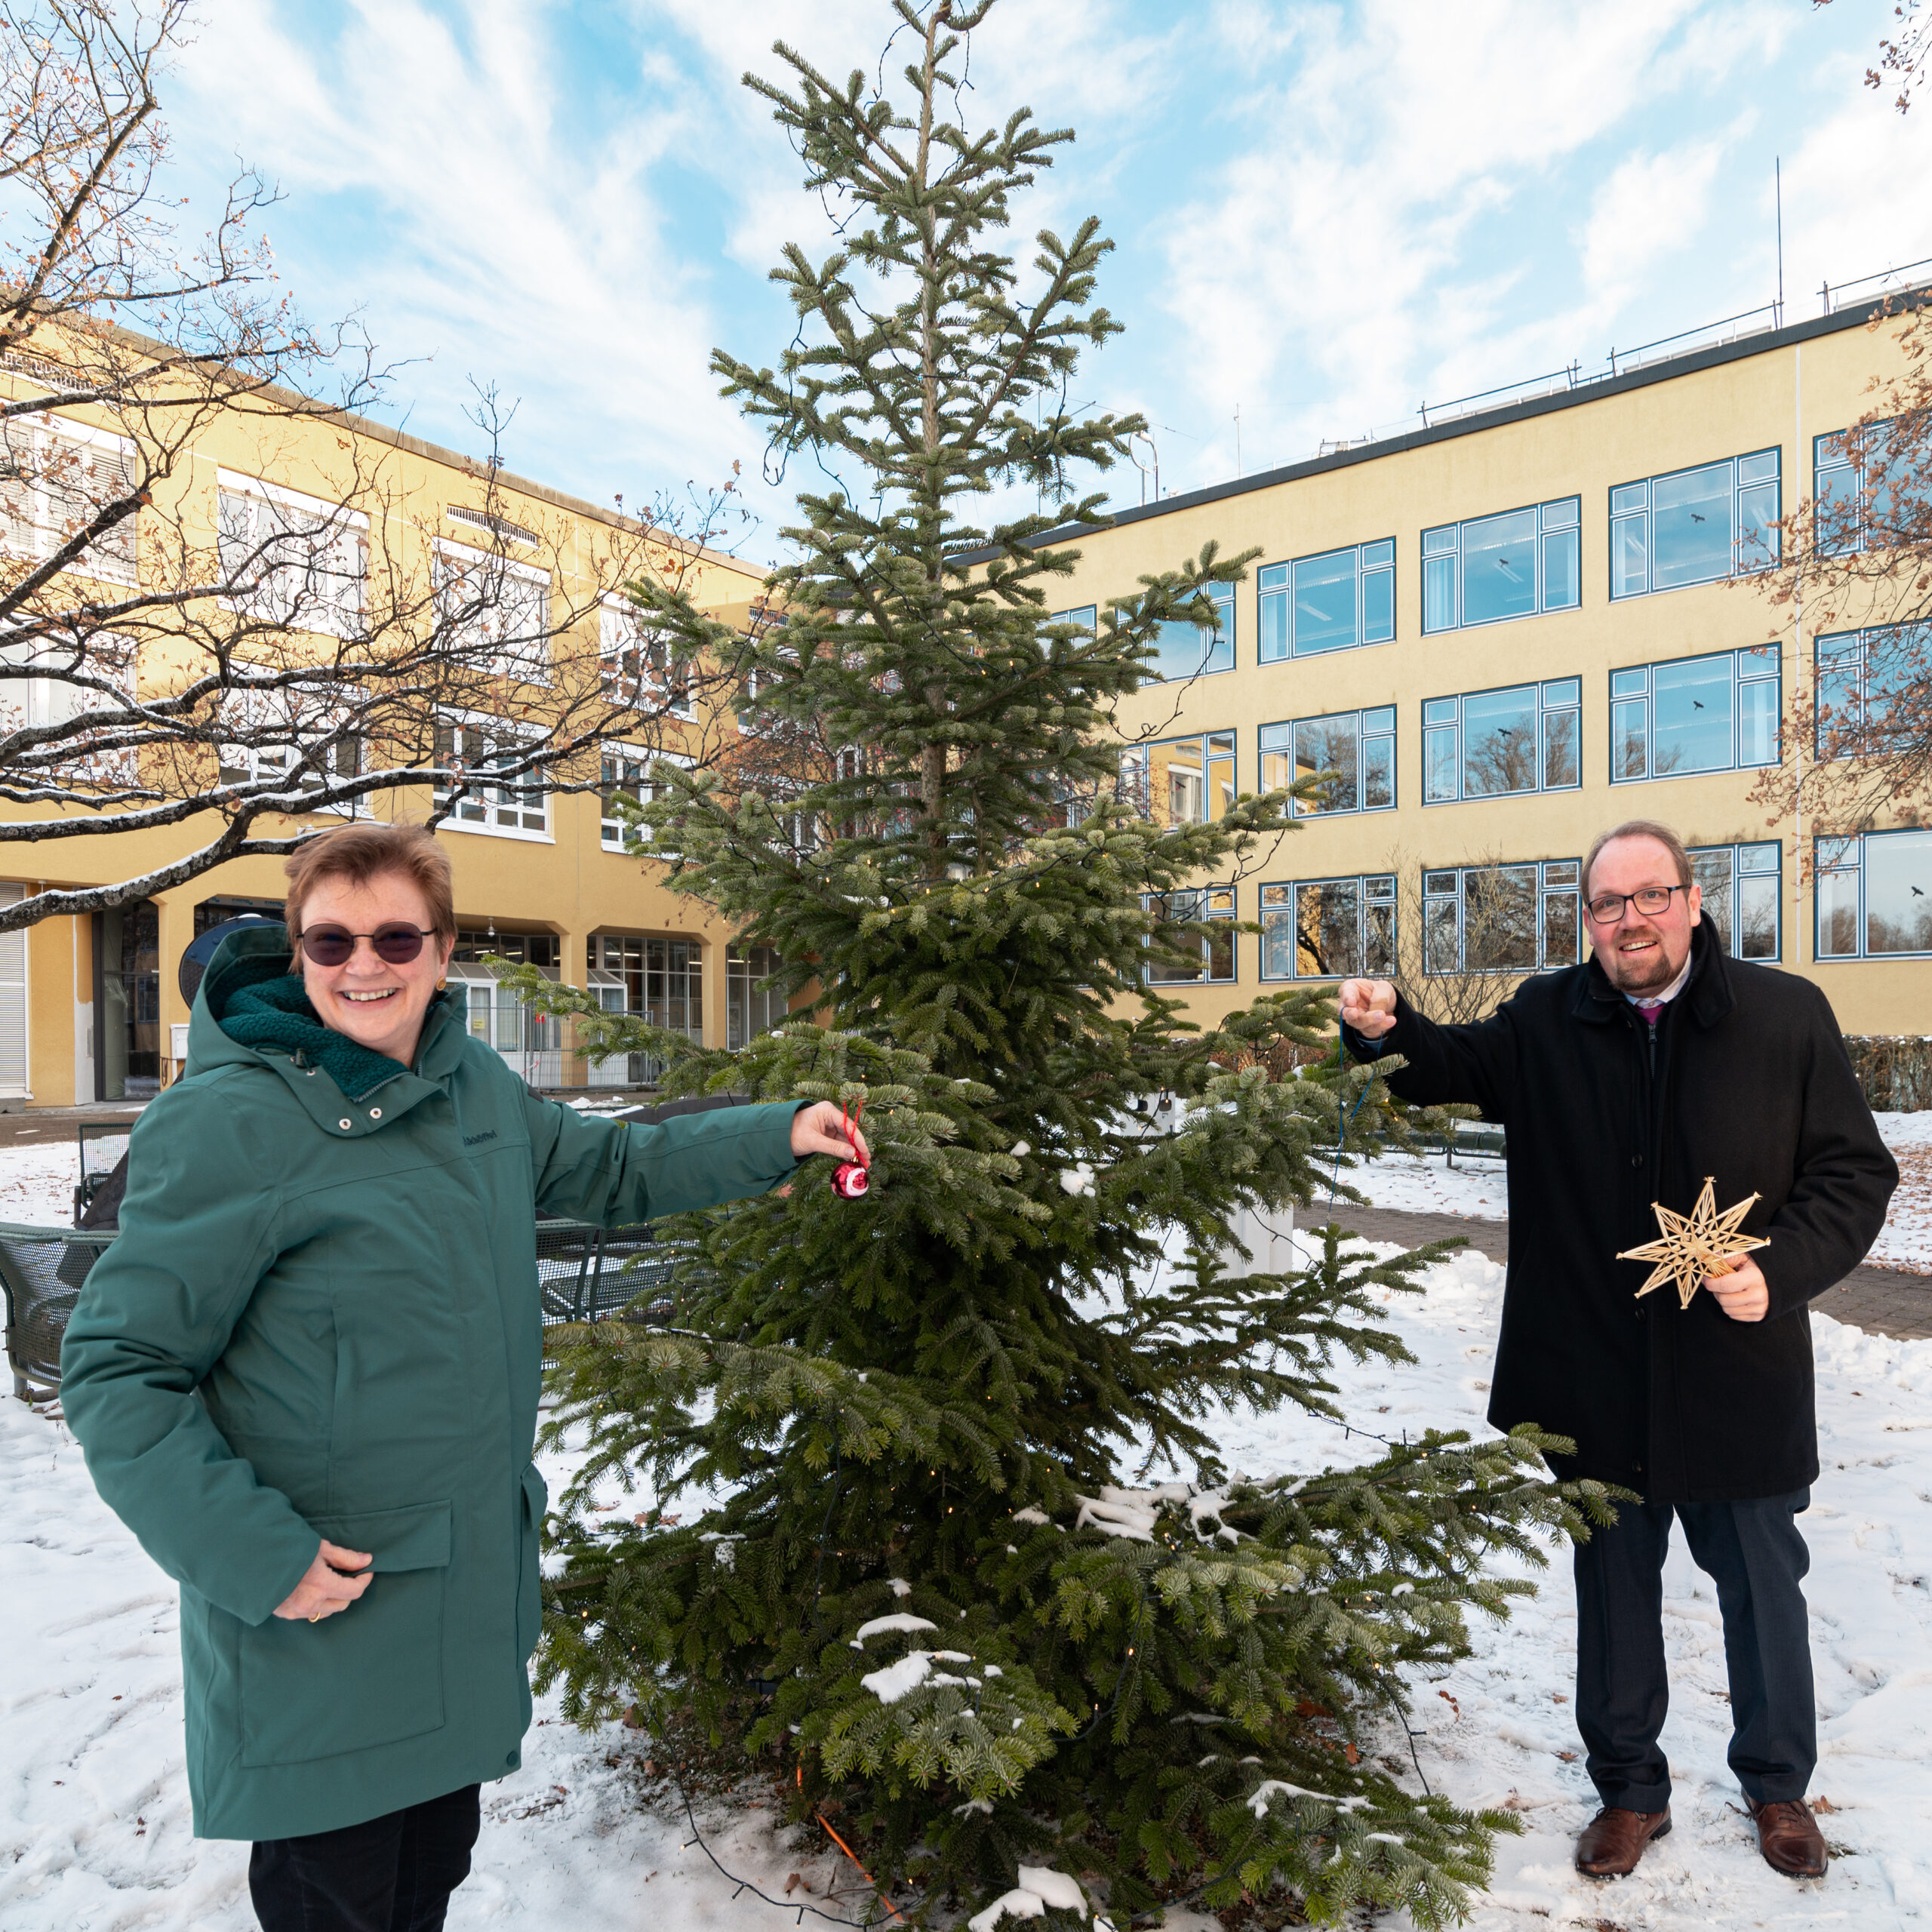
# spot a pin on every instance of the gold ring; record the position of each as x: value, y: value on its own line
x: 317, y: 1618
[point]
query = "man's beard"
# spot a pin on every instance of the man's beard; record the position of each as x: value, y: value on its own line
x: 1648, y: 973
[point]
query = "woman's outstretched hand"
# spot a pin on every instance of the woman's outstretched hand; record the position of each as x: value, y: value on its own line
x: 325, y: 1590
x: 820, y: 1128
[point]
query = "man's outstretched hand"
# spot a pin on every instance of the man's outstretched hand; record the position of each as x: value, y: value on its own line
x: 1368, y: 1006
x: 820, y: 1129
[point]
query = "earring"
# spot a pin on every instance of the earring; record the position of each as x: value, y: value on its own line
x: 441, y: 982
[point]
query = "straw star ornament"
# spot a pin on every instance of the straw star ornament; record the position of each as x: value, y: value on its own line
x: 1702, y: 1242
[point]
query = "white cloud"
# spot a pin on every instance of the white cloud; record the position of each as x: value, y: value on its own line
x: 1359, y: 252
x: 505, y: 240
x: 1648, y: 208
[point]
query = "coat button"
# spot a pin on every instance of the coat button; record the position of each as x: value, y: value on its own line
x: 345, y: 1125
x: 375, y: 1113
x: 1636, y: 1160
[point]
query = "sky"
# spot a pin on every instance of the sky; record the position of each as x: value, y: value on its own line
x: 1323, y: 216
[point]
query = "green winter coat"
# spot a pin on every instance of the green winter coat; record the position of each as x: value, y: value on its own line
x: 321, y: 1320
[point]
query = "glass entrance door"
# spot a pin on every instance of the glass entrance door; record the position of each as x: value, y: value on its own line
x: 128, y: 1002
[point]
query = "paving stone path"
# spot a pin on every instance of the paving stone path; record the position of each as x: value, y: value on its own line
x: 1883, y: 1301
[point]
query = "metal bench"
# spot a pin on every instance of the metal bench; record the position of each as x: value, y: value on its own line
x: 584, y: 1273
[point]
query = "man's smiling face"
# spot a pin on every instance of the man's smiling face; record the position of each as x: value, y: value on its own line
x: 1640, y: 952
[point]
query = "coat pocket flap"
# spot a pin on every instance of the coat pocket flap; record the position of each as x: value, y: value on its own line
x: 417, y: 1538
x: 536, y: 1493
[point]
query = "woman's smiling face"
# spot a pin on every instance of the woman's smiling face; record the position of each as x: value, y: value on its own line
x: 376, y: 1004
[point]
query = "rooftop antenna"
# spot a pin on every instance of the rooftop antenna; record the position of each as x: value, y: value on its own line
x: 1237, y: 440
x: 1777, y: 180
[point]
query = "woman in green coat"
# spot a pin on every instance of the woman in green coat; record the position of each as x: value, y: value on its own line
x: 306, y: 1374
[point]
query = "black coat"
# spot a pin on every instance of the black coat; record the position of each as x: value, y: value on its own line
x: 1751, y: 1084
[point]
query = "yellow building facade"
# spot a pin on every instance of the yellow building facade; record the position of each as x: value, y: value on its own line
x: 1504, y: 633
x: 90, y: 1009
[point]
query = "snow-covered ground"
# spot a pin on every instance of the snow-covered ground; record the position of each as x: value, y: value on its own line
x: 1474, y: 1188
x: 93, y: 1811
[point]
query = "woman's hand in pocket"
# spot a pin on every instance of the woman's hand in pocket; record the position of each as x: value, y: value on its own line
x: 325, y: 1589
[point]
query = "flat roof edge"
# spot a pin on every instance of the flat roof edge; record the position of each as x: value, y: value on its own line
x: 1690, y: 363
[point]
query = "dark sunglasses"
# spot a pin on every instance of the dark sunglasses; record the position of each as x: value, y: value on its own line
x: 335, y: 946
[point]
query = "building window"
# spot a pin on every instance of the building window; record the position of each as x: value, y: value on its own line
x: 519, y: 806
x: 1328, y: 928
x: 1356, y: 748
x: 1334, y: 601
x: 56, y: 477
x: 1180, y: 781
x: 1740, y: 896
x: 1863, y: 488
x: 1189, y: 649
x: 1695, y: 526
x: 1493, y: 568
x: 291, y: 559
x: 1086, y: 617
x: 1516, y: 918
x: 639, y: 666
x: 662, y: 980
x: 1490, y: 744
x: 1718, y: 713
x: 1214, y: 905
x: 1861, y: 674
x: 1875, y: 896
x: 626, y: 773
x: 751, y: 1007
x: 295, y: 731
x: 497, y: 612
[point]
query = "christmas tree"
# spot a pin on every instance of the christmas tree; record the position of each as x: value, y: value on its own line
x: 926, y: 1579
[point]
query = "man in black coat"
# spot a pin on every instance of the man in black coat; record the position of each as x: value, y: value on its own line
x: 1622, y: 1083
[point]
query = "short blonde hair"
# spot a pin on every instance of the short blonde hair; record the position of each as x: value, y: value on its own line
x: 360, y: 853
x: 1641, y: 827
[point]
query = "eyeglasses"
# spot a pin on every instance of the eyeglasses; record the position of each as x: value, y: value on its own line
x: 335, y: 946
x: 1607, y: 908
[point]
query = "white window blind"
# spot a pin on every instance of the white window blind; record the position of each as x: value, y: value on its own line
x: 498, y: 609
x: 12, y: 1000
x: 56, y: 477
x: 296, y: 560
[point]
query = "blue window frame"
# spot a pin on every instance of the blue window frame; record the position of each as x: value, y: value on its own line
x: 1328, y: 928
x: 1357, y: 749
x: 1695, y: 526
x: 1741, y: 897
x: 1860, y: 675
x: 1189, y: 649
x: 1336, y: 600
x: 1491, y: 744
x: 1874, y: 896
x: 1087, y: 616
x: 1863, y: 488
x: 1689, y: 715
x: 1180, y: 781
x: 1507, y: 918
x: 1490, y: 569
x: 1214, y: 905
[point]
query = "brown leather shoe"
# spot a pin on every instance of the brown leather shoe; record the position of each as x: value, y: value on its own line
x: 1614, y: 1839
x: 1790, y: 1838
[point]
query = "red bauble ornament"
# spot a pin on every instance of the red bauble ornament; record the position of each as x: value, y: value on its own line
x: 851, y: 1180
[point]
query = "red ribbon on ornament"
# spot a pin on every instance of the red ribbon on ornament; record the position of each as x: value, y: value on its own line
x: 851, y: 1179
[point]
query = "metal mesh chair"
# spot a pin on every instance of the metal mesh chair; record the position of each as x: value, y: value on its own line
x: 584, y: 1273
x: 103, y: 1143
x: 42, y: 1270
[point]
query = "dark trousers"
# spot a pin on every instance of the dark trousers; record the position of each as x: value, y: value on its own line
x: 1755, y: 1554
x: 394, y: 1874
